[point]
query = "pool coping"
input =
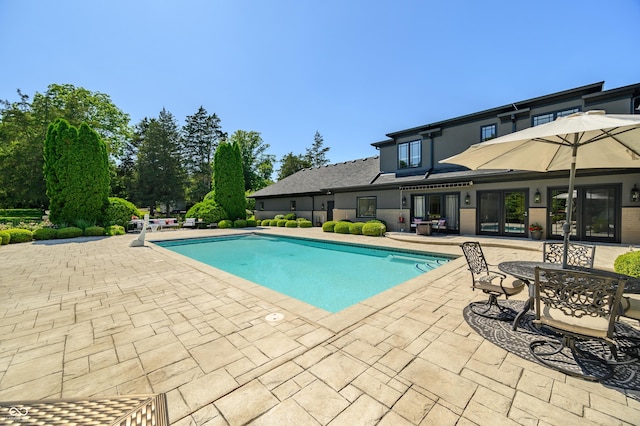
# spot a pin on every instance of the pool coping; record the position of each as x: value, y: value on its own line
x: 334, y: 322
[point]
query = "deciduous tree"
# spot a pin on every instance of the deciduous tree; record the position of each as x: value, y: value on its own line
x: 290, y: 164
x: 257, y: 165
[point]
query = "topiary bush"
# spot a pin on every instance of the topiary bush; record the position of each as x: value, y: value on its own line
x: 290, y: 216
x: 239, y: 223
x: 69, y: 232
x: 279, y: 216
x: 45, y: 234
x: 94, y: 231
x: 305, y: 224
x: 341, y: 227
x: 4, y: 238
x: 281, y: 223
x: 252, y: 223
x: 274, y: 222
x: 356, y: 228
x: 225, y: 224
x: 19, y: 235
x: 628, y: 264
x: 328, y: 226
x: 120, y: 212
x: 373, y: 229
x: 209, y: 211
x: 291, y: 224
x: 114, y: 230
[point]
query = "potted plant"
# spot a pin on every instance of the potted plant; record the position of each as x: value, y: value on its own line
x: 536, y: 231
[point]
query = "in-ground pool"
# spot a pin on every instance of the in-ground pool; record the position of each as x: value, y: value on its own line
x: 330, y: 276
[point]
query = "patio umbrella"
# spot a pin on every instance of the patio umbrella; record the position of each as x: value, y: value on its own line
x: 585, y: 140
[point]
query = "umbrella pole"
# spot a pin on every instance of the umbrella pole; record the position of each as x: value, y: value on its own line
x: 568, y: 224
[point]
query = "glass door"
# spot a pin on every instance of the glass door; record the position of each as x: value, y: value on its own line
x: 515, y: 213
x: 598, y: 218
x: 503, y: 213
x: 489, y: 212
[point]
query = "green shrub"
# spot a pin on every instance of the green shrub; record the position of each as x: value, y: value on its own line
x: 373, y: 229
x: 239, y: 223
x: 45, y: 234
x: 628, y: 264
x: 290, y: 216
x: 291, y: 224
x: 209, y: 211
x: 224, y: 224
x: 4, y: 238
x: 114, y: 230
x: 356, y: 228
x: 281, y: 223
x: 19, y: 235
x: 274, y: 222
x: 94, y: 231
x: 305, y: 224
x: 69, y: 232
x: 120, y: 212
x: 279, y: 216
x: 341, y: 227
x: 252, y: 223
x: 37, y: 213
x: 328, y: 226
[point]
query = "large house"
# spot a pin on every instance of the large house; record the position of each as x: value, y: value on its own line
x: 406, y: 183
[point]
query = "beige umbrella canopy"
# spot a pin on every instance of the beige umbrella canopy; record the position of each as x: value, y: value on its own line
x: 585, y: 140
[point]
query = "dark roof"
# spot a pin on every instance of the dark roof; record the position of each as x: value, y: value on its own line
x: 320, y: 179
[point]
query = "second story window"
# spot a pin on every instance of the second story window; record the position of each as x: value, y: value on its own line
x: 409, y: 154
x: 546, y: 118
x: 488, y: 132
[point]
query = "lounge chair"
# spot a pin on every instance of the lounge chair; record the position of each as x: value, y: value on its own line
x: 189, y: 222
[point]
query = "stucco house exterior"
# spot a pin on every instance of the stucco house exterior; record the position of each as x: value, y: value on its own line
x: 406, y: 183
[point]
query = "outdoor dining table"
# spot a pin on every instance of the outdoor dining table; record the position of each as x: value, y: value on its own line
x: 526, y: 271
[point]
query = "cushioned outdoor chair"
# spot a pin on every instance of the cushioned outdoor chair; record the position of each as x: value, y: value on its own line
x: 489, y: 282
x: 578, y: 255
x: 440, y: 225
x: 580, y: 307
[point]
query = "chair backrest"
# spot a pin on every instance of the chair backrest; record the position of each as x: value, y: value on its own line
x: 580, y: 255
x: 572, y: 295
x: 475, y: 257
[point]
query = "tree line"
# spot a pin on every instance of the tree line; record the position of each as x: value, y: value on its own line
x: 154, y: 162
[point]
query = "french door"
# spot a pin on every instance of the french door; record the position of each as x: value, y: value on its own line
x: 503, y: 213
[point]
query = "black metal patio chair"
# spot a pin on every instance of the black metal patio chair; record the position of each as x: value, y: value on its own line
x: 578, y: 255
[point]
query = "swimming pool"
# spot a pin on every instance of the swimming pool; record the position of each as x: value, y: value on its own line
x: 330, y: 276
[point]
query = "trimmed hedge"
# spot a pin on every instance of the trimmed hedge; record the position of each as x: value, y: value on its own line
x: 628, y: 264
x: 305, y: 224
x: 114, y: 230
x: 274, y: 222
x: 291, y: 224
x: 225, y: 224
x: 328, y: 226
x: 290, y: 216
x: 19, y: 235
x: 341, y: 227
x: 4, y: 237
x: 120, y: 211
x: 281, y: 223
x: 374, y: 229
x: 208, y: 210
x: 239, y: 223
x: 252, y: 223
x: 69, y: 232
x: 94, y: 231
x: 45, y: 234
x: 356, y: 228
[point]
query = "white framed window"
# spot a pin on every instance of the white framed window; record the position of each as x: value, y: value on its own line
x: 367, y: 207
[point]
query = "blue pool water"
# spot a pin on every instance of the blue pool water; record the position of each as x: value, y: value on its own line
x: 330, y: 276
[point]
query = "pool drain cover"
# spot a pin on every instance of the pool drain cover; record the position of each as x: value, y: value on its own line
x: 276, y: 316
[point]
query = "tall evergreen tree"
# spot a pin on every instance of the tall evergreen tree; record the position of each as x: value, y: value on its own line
x: 228, y: 180
x: 257, y: 166
x: 159, y: 172
x: 200, y: 137
x: 317, y: 154
x: 77, y: 173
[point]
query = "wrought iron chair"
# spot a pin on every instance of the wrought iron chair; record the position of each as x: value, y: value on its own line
x: 581, y: 307
x: 490, y: 282
x: 578, y: 255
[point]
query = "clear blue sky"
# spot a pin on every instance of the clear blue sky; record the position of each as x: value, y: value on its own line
x: 354, y: 70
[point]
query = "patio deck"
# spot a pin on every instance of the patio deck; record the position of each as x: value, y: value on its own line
x: 95, y: 317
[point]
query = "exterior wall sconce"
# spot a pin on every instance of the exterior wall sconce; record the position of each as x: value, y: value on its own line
x: 537, y: 197
x: 635, y: 194
x: 322, y: 206
x: 467, y: 198
x: 404, y: 201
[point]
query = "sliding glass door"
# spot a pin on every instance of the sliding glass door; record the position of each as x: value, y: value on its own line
x: 503, y: 212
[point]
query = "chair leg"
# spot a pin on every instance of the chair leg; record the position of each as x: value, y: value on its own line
x: 492, y: 309
x: 564, y: 353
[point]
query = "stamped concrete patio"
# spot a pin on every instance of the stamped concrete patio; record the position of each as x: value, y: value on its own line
x: 96, y: 317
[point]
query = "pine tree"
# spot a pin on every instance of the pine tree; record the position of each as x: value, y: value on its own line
x: 316, y: 155
x: 228, y: 180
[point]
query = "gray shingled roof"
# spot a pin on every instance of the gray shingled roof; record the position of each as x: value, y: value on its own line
x: 319, y: 179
